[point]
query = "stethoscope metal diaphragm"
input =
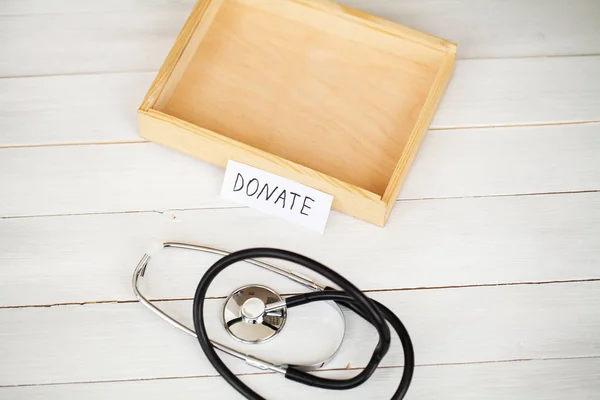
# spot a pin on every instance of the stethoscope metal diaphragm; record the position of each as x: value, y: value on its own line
x: 254, y: 314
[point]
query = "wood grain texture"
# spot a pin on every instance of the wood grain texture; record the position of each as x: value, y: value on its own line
x: 316, y: 103
x: 179, y: 55
x: 126, y: 341
x: 415, y: 140
x: 341, y: 125
x: 459, y: 242
x: 145, y: 31
x: 506, y: 161
x: 71, y: 109
x: 204, y: 22
x: 491, y: 29
x: 142, y: 177
x: 521, y: 92
x: 520, y: 380
x: 482, y: 93
x: 59, y: 44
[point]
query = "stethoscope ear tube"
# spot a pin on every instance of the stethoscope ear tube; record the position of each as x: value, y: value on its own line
x: 350, y: 296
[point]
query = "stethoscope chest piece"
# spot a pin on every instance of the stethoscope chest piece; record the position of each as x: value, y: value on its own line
x: 254, y: 314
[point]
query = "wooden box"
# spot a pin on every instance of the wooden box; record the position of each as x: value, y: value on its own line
x: 310, y: 90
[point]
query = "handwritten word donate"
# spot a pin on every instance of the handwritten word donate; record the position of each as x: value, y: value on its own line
x: 276, y: 195
x: 261, y: 190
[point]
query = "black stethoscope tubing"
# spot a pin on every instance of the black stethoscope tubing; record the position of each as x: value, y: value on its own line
x: 350, y: 297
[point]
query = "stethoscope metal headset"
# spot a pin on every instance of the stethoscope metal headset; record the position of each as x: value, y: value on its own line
x: 255, y: 314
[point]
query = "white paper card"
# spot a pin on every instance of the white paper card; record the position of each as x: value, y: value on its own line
x: 275, y: 195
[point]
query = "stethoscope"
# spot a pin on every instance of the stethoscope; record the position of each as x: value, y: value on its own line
x: 256, y: 314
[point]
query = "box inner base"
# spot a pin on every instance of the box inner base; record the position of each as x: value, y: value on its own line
x: 325, y: 101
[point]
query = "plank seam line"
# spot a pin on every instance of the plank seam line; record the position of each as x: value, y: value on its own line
x: 83, y: 12
x: 517, y: 125
x: 409, y: 289
x: 74, y: 144
x: 489, y: 196
x: 172, y: 210
x: 234, y: 207
x: 432, y: 129
x: 533, y: 57
x: 90, y: 73
x: 450, y: 364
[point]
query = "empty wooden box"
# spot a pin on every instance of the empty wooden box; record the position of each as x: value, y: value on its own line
x: 310, y: 90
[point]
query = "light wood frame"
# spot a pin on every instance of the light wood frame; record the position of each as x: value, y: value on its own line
x: 436, y: 55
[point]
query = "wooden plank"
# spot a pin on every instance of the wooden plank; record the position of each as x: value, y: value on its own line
x: 519, y: 380
x: 491, y: 29
x: 145, y: 31
x: 139, y: 177
x: 59, y: 44
x: 482, y: 241
x: 119, y: 174
x: 101, y: 108
x: 520, y: 92
x: 71, y: 109
x: 506, y: 161
x: 125, y: 341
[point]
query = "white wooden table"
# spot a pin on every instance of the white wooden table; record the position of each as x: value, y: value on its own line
x: 491, y: 257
